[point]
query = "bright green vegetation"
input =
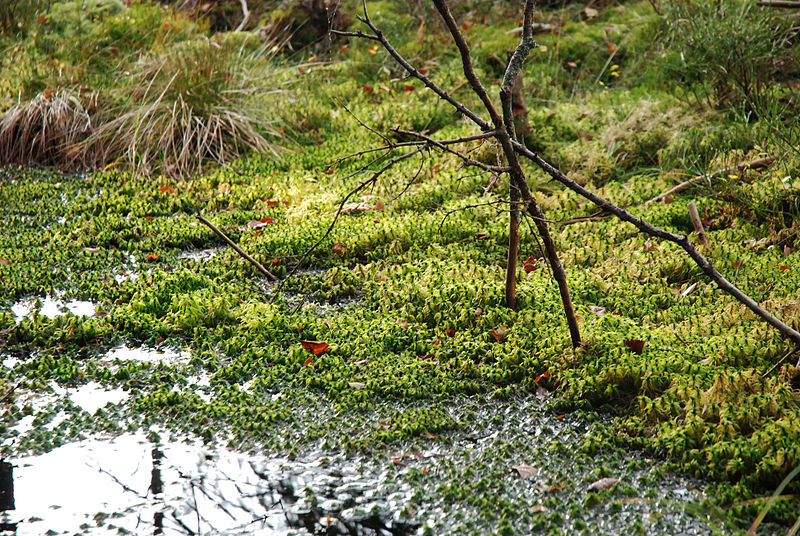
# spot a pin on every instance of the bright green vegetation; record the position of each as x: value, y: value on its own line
x: 409, y: 305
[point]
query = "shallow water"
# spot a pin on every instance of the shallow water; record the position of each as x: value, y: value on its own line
x: 51, y: 307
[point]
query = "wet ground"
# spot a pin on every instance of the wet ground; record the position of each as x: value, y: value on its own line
x: 516, y: 458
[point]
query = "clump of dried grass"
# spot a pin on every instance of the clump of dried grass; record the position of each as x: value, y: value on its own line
x: 206, y: 99
x: 42, y: 131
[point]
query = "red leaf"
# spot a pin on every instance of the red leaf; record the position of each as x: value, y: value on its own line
x: 499, y: 333
x: 343, y: 48
x: 529, y: 264
x: 783, y: 267
x: 636, y: 346
x: 286, y: 203
x: 315, y: 347
x: 273, y: 203
x: 367, y: 89
x: 450, y: 332
x: 339, y: 249
x: 5, y: 262
x: 408, y: 87
x: 308, y: 362
x: 257, y: 224
x: 275, y: 262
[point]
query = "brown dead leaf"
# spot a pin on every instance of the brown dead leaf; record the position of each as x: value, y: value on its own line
x: 787, y: 250
x: 257, y: 224
x: 525, y: 471
x: 402, y: 323
x: 339, y: 249
x: 478, y: 311
x: 648, y: 247
x: 356, y: 385
x: 5, y: 262
x: 539, y: 509
x: 499, y: 333
x: 151, y: 257
x: 636, y: 346
x: 603, y: 483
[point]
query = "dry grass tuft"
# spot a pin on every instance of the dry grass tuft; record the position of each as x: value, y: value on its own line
x: 203, y: 100
x: 42, y: 131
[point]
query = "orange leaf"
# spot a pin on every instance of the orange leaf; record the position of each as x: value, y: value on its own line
x: 151, y: 257
x: 286, y: 203
x: 450, y: 332
x: 499, y: 333
x: 148, y: 218
x: 315, y: 347
x: 166, y: 189
x: 275, y: 262
x: 636, y: 346
x: 529, y: 264
x: 273, y: 203
x: 545, y: 374
x: 343, y: 48
x: 783, y: 267
x: 308, y: 362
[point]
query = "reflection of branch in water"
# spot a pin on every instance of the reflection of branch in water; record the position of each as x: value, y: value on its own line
x: 157, y: 487
x: 118, y: 481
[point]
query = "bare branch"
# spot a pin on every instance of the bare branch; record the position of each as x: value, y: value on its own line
x: 466, y: 61
x: 236, y: 248
x: 648, y: 228
x: 371, y: 180
x: 467, y: 160
x: 484, y: 125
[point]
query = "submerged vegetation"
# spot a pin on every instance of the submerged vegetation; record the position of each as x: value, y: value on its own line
x: 400, y: 311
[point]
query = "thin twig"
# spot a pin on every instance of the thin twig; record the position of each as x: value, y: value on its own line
x: 781, y: 361
x: 467, y: 160
x: 236, y: 248
x: 685, y: 185
x: 374, y: 177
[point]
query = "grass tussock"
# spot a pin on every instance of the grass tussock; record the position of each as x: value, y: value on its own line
x: 204, y: 100
x: 44, y: 129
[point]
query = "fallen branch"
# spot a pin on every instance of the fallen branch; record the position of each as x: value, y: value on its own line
x: 648, y: 228
x: 776, y: 3
x: 685, y: 185
x: 236, y: 248
x: 697, y: 223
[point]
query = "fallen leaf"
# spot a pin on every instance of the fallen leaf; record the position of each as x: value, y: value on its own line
x: 287, y: 203
x: 349, y: 208
x: 339, y: 249
x: 603, y: 483
x: 273, y: 203
x: 315, y: 347
x: 529, y: 264
x: 691, y: 288
x: 450, y: 332
x: 308, y: 362
x: 257, y: 224
x: 542, y: 376
x: 596, y: 309
x: 525, y: 471
x: 274, y: 262
x: 151, y: 257
x: 648, y: 247
x: 360, y: 363
x: 545, y: 488
x: 482, y: 235
x: 379, y: 206
x: 409, y: 87
x: 636, y: 346
x: 478, y: 311
x: 667, y: 199
x: 5, y: 262
x: 166, y: 189
x: 783, y: 267
x: 343, y: 48
x: 86, y: 250
x: 585, y: 136
x: 402, y: 323
x: 499, y: 333
x: 356, y: 385
x: 539, y: 509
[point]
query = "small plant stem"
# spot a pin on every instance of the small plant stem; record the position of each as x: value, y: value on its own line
x: 236, y: 248
x: 698, y: 224
x: 781, y: 361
